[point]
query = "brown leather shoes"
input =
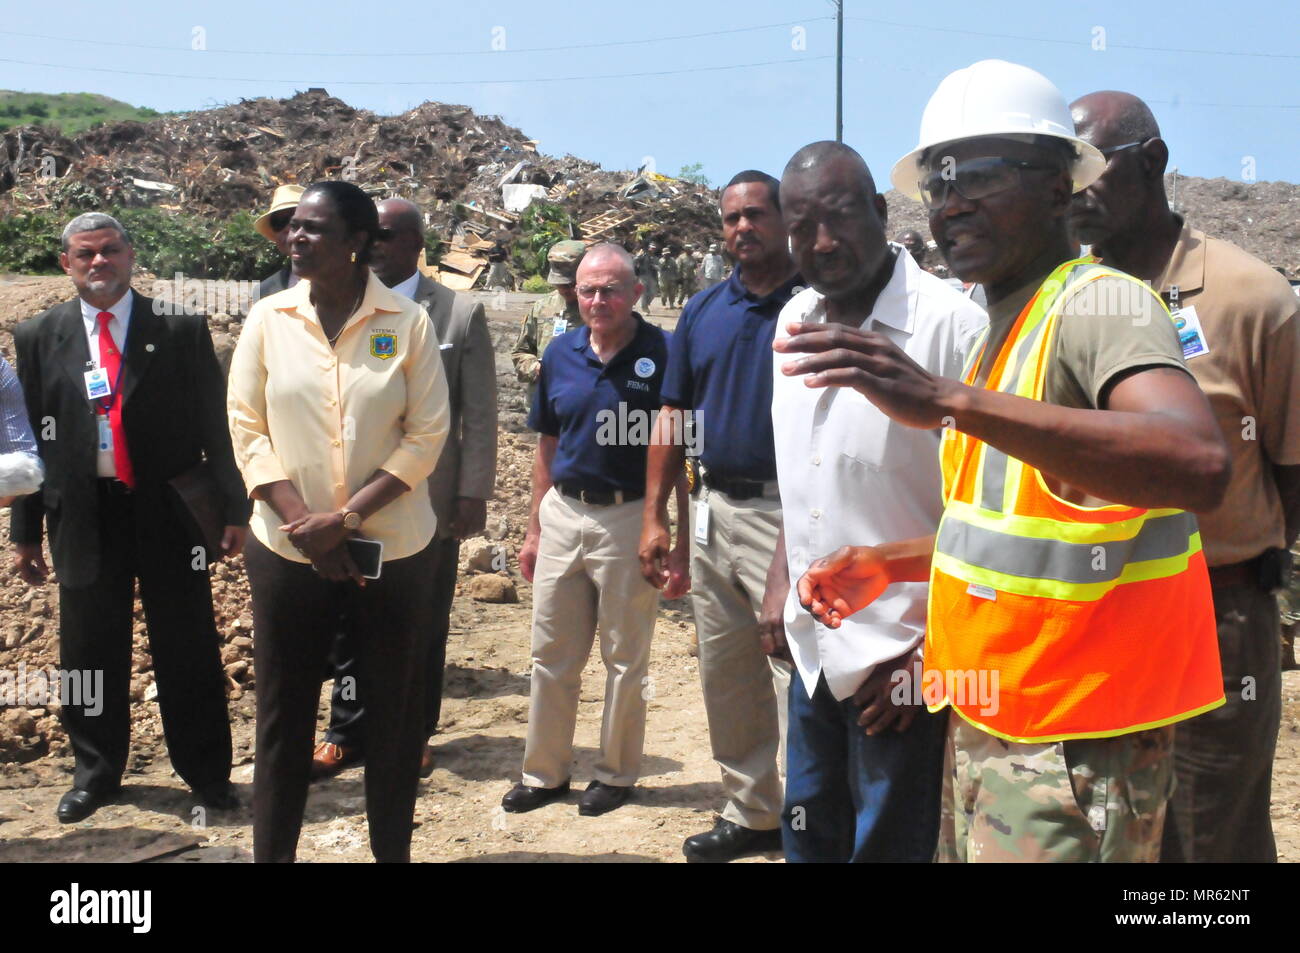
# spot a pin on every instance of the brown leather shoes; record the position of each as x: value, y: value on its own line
x: 329, y: 759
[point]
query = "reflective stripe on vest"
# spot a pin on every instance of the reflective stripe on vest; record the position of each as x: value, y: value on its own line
x: 1097, y: 620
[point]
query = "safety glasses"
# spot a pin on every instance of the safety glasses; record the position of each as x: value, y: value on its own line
x: 1107, y: 153
x: 973, y: 179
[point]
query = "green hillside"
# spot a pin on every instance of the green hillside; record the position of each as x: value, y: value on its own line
x: 70, y: 113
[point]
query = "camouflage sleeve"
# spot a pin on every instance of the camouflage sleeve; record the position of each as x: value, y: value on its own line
x: 525, y: 358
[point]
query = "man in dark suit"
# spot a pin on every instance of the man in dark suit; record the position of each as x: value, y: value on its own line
x: 461, y: 484
x: 123, y: 398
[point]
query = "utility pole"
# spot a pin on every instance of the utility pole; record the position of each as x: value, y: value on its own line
x: 839, y: 70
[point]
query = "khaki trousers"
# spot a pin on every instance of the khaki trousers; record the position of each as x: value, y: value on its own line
x: 588, y: 578
x: 746, y: 693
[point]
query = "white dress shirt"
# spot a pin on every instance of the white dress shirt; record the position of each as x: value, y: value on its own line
x: 117, y: 328
x: 850, y: 475
x: 407, y: 288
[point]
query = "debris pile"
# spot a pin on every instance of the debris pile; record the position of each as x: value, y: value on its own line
x: 1261, y: 217
x: 473, y: 175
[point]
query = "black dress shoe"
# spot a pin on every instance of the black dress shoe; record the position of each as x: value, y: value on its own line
x: 219, y: 796
x: 602, y: 798
x: 727, y: 841
x: 521, y: 797
x: 78, y: 804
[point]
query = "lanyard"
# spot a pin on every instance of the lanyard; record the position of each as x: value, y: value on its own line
x: 105, y: 404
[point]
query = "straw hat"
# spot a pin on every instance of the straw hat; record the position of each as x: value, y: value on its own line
x: 284, y: 197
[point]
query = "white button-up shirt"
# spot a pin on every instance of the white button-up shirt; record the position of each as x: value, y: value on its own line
x: 117, y: 328
x: 407, y: 287
x: 850, y: 475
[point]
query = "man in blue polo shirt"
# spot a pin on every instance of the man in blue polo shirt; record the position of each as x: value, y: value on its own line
x: 596, y: 401
x: 720, y: 369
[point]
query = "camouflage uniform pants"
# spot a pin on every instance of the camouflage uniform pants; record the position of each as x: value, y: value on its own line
x: 1090, y: 800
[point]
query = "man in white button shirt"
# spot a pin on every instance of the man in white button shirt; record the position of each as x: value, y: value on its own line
x: 863, y: 773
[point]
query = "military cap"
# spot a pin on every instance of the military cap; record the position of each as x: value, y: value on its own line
x: 563, y: 259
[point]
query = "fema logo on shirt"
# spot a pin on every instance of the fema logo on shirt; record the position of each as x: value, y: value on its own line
x: 644, y: 367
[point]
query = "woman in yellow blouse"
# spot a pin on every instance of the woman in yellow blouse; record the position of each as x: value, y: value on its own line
x: 338, y: 411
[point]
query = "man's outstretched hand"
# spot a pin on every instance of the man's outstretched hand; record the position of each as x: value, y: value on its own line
x: 838, y: 585
x: 871, y: 364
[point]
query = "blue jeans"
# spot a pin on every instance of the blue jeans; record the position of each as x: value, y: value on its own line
x: 850, y: 797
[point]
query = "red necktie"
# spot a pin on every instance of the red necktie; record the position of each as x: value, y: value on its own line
x: 110, y: 359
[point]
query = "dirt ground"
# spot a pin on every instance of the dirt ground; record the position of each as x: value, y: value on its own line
x: 479, y: 747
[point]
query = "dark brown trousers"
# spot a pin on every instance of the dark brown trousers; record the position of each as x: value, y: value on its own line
x: 1223, y: 760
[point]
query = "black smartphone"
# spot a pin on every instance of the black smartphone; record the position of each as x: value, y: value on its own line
x: 368, y: 554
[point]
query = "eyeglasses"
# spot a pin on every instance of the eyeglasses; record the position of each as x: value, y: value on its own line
x: 280, y: 220
x: 1107, y: 153
x: 606, y: 291
x: 973, y: 179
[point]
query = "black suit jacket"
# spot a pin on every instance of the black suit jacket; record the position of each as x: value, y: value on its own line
x: 173, y: 410
x: 273, y: 284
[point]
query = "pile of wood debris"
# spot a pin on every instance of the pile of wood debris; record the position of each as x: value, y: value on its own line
x: 473, y: 175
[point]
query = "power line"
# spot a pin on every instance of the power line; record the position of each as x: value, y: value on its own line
x: 418, y: 82
x: 1159, y: 102
x: 605, y: 44
x: 1046, y: 39
x: 1186, y: 102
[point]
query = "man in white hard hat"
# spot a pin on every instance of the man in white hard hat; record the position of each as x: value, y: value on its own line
x: 1070, y: 623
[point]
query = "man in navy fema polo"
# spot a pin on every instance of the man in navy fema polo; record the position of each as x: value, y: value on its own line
x: 721, y: 372
x: 596, y: 401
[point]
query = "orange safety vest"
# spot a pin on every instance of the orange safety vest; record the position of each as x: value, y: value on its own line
x: 1086, y: 622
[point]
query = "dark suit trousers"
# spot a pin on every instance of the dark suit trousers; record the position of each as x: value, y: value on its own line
x: 347, y: 714
x: 1223, y: 759
x: 138, y: 539
x: 296, y: 614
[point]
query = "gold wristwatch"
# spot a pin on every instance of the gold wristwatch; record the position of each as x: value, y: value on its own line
x: 351, y: 519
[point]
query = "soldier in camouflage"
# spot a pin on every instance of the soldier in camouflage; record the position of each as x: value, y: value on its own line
x: 552, y: 315
x: 647, y: 274
x: 1004, y: 802
x: 686, y: 283
x: 668, y: 279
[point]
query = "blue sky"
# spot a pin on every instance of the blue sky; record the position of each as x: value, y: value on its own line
x: 1223, y: 79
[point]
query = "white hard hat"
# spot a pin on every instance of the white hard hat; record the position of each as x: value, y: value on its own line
x: 996, y: 98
